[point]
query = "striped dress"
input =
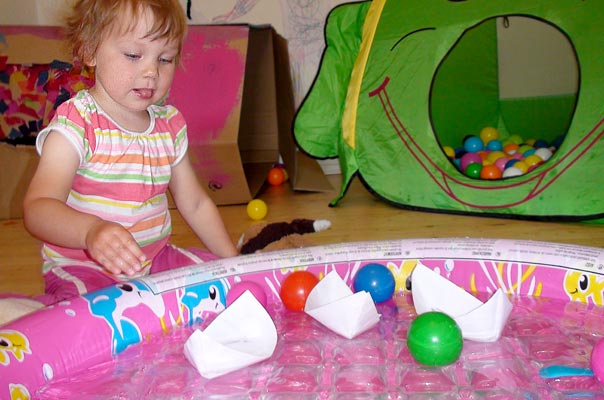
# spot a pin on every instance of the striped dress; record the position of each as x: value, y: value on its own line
x: 123, y: 176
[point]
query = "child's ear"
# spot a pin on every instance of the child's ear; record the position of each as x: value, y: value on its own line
x: 88, y: 57
x: 90, y: 62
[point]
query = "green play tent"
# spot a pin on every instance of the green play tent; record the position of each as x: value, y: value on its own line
x: 402, y: 80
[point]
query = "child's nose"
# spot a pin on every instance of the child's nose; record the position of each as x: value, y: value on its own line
x: 151, y: 69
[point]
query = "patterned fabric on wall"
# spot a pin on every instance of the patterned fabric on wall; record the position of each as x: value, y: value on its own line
x: 30, y: 94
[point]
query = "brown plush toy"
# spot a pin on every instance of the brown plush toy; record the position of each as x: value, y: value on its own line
x: 263, y: 236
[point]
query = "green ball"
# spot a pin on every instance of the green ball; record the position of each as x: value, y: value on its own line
x: 434, y: 339
x: 473, y: 170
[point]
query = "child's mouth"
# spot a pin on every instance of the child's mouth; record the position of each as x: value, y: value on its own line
x: 144, y: 93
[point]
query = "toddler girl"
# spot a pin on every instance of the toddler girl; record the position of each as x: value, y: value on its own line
x: 98, y: 198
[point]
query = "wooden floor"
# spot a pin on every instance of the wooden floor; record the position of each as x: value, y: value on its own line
x: 359, y: 216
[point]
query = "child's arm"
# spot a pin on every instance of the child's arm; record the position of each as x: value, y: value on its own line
x: 50, y: 219
x: 198, y: 209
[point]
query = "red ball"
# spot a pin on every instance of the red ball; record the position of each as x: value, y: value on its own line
x: 295, y: 289
x: 276, y: 176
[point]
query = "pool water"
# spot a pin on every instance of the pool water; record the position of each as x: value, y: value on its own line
x: 312, y: 362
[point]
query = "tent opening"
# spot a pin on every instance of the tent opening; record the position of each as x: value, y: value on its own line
x: 514, y: 73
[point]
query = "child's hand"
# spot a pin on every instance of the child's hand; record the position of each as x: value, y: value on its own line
x: 112, y: 246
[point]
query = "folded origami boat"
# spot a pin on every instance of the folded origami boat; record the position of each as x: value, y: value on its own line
x: 478, y: 321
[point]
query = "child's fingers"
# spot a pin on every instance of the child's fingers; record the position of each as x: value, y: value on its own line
x: 128, y: 257
x: 115, y: 249
x: 134, y: 251
x: 119, y: 262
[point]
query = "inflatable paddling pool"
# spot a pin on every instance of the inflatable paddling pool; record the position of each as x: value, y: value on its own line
x: 126, y: 341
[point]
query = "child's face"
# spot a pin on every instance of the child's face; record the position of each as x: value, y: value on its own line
x: 131, y: 71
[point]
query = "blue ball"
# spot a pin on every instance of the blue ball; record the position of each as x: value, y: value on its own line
x: 495, y: 145
x: 529, y: 152
x: 510, y: 163
x: 557, y: 142
x: 459, y: 152
x: 473, y: 144
x: 377, y: 280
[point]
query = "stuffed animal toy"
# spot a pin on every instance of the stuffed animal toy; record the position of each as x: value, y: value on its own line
x: 264, y: 237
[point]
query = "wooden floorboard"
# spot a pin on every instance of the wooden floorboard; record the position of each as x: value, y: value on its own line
x: 359, y: 216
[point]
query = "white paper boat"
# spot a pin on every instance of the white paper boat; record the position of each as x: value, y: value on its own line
x: 478, y: 321
x: 242, y: 335
x: 332, y: 303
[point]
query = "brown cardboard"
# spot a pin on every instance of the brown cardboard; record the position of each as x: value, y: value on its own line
x: 233, y: 165
x: 305, y: 173
x: 18, y: 165
x: 232, y: 162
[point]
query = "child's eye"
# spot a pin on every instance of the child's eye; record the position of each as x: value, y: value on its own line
x: 165, y: 60
x: 132, y: 56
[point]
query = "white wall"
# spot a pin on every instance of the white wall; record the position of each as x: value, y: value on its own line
x: 32, y: 12
x: 535, y: 59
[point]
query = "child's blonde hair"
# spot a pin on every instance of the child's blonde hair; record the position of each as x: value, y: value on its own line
x: 91, y: 20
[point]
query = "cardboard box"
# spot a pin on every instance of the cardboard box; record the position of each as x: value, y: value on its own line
x: 18, y: 166
x: 235, y: 91
x: 23, y: 104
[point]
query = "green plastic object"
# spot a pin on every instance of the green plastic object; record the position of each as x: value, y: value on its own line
x: 386, y: 100
x: 434, y: 339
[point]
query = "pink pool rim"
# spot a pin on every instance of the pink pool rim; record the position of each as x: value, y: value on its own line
x: 98, y: 343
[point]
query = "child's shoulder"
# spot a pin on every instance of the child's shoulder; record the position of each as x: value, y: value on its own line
x: 81, y: 104
x: 168, y: 114
x: 164, y: 110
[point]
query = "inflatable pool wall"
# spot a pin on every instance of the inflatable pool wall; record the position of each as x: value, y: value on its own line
x: 61, y: 340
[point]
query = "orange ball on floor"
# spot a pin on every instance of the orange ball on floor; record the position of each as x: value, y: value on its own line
x: 276, y: 176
